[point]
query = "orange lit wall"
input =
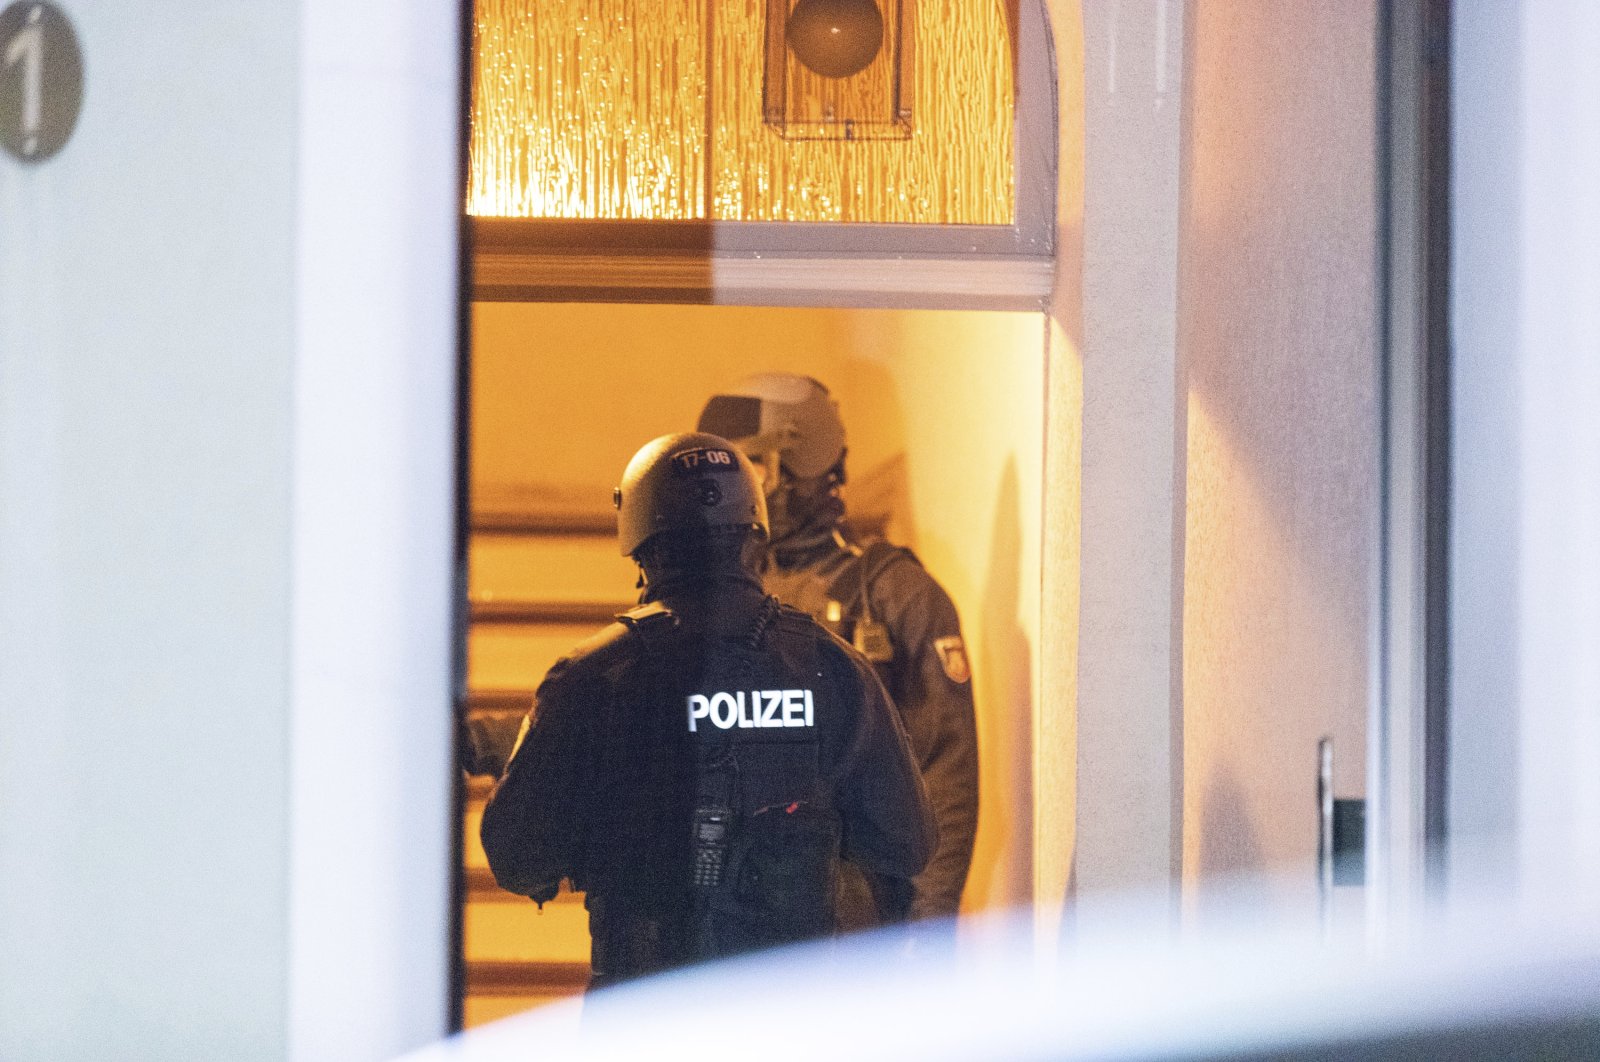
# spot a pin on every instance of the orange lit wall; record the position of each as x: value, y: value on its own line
x: 945, y: 414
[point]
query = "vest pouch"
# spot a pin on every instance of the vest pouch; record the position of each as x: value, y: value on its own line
x: 787, y: 873
x: 782, y: 860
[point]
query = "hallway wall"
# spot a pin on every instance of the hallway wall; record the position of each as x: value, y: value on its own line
x: 227, y: 353
x: 1277, y: 330
x: 945, y: 414
x: 1055, y: 742
x: 1524, y: 729
x: 144, y: 547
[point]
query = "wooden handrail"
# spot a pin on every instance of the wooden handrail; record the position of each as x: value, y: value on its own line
x: 546, y: 612
x: 499, y: 700
x: 481, y: 887
x: 499, y: 978
x: 601, y: 524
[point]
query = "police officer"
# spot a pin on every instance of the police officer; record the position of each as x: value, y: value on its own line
x: 880, y: 598
x: 700, y: 768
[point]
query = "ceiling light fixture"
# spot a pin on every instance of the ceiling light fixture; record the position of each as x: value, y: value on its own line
x: 839, y: 69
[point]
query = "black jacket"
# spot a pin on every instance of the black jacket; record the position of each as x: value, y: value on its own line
x: 927, y: 673
x: 620, y: 762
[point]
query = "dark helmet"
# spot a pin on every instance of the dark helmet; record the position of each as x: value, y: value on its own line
x: 687, y: 482
x: 780, y: 412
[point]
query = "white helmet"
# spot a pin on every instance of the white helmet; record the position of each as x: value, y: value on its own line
x: 779, y: 412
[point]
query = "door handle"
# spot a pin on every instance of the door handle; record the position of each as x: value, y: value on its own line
x: 1341, y: 836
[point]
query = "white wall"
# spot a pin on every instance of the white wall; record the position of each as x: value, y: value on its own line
x: 1524, y: 803
x: 1128, y: 786
x: 1212, y: 355
x: 1278, y: 328
x: 146, y: 275
x: 1486, y: 211
x: 1229, y: 434
x: 371, y: 691
x: 226, y: 345
x: 1055, y: 737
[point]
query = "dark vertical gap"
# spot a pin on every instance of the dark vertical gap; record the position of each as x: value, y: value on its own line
x: 1436, y: 198
x: 1414, y: 175
x: 463, y: 522
x: 1388, y: 29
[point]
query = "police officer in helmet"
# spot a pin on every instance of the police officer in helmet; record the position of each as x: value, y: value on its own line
x: 880, y: 598
x: 701, y: 767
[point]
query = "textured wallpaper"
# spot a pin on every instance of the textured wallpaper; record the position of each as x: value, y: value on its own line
x: 610, y: 109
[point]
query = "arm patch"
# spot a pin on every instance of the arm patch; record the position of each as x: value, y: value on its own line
x: 953, y: 658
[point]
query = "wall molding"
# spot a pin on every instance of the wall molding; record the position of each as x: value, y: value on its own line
x: 524, y: 613
x: 970, y: 282
x: 526, y: 978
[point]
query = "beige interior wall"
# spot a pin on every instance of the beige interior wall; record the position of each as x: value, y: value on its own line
x: 1277, y: 327
x: 1055, y: 730
x: 946, y: 418
x: 1128, y: 799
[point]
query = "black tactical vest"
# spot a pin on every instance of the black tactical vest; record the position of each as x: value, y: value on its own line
x: 713, y: 829
x: 837, y: 592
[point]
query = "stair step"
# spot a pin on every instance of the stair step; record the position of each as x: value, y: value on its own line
x: 541, y: 513
x: 511, y: 656
x: 521, y: 931
x: 545, y: 613
x: 539, y: 585
x: 524, y: 978
x: 500, y: 989
x: 473, y: 860
x: 549, y: 568
x: 511, y: 700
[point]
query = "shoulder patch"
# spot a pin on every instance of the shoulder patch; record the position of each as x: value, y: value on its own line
x: 953, y: 658
x: 654, y: 612
x: 651, y: 625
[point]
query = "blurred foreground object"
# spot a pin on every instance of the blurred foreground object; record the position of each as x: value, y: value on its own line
x: 1480, y: 983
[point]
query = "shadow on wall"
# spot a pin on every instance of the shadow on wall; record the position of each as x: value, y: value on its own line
x: 1279, y: 284
x: 1229, y: 842
x: 1274, y: 658
x: 877, y: 492
x: 1005, y: 696
x: 927, y: 471
x: 1277, y: 327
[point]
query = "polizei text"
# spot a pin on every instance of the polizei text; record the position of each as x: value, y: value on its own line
x: 761, y: 708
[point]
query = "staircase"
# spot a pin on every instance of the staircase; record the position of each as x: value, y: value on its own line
x: 538, y: 585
